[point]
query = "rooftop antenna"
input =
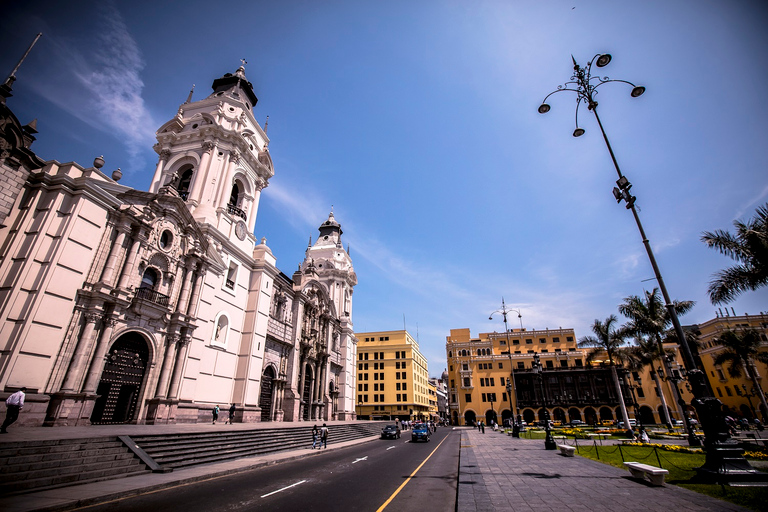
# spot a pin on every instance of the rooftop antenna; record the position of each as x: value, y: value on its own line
x: 12, y: 77
x: 266, y: 124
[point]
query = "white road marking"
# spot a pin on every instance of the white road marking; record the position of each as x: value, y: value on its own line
x: 358, y: 460
x: 284, y: 488
x: 390, y: 448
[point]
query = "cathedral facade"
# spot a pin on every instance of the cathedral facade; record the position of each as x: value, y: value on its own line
x: 126, y: 306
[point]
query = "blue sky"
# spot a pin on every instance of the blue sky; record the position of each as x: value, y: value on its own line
x: 417, y: 121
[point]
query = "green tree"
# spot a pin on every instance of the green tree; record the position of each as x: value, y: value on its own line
x: 645, y: 354
x: 749, y: 248
x: 741, y: 350
x: 609, y: 340
x: 649, y: 319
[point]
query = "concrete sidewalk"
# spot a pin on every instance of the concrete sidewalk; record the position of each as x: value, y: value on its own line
x: 501, y: 473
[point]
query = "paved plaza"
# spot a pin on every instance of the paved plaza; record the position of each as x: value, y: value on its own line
x: 501, y: 473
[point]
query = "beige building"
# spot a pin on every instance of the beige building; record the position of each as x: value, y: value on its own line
x: 738, y: 393
x: 491, y: 377
x: 124, y: 306
x: 392, y: 377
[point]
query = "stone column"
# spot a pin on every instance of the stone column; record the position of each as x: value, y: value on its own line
x: 183, y: 302
x: 82, y: 349
x: 181, y: 355
x: 302, y: 378
x: 202, y: 173
x: 254, y: 207
x: 165, y: 371
x: 97, y: 363
x: 130, y: 261
x: 321, y: 389
x: 313, y: 392
x: 192, y: 306
x: 114, y: 253
x: 225, y: 187
x: 156, y: 179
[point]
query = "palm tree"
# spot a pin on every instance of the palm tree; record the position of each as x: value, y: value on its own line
x: 649, y: 318
x: 749, y: 247
x: 645, y: 354
x: 609, y: 340
x: 742, y: 348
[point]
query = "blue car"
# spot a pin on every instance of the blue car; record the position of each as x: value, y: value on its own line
x: 420, y: 433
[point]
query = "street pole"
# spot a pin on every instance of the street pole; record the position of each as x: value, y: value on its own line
x: 724, y: 459
x: 549, y: 441
x: 511, y: 388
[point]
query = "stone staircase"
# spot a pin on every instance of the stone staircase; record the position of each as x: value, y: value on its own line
x: 183, y: 450
x: 57, y: 463
x: 37, y: 465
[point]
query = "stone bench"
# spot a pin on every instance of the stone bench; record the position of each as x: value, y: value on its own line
x: 566, y: 450
x: 655, y: 475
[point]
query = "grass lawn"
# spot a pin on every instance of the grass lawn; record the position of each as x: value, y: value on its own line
x: 680, y: 467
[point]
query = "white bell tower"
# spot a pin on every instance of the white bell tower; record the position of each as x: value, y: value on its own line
x: 215, y: 155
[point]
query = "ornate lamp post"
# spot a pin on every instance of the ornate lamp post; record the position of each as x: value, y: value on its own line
x: 510, y: 383
x: 724, y: 457
x: 549, y: 441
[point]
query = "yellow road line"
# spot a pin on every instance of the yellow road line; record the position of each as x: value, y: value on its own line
x: 389, y: 500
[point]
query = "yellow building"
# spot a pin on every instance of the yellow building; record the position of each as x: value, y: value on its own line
x: 392, y: 377
x: 432, y: 388
x: 738, y: 394
x: 479, y: 371
x: 492, y: 375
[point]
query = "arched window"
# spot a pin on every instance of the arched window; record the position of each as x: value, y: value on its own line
x: 185, y: 179
x: 479, y: 352
x: 233, y: 207
x: 149, y: 279
x: 234, y: 197
x: 450, y: 353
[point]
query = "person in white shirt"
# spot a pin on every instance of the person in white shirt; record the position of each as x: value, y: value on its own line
x: 13, y: 404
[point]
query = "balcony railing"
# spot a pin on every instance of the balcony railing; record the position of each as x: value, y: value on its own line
x: 151, y: 295
x: 234, y: 210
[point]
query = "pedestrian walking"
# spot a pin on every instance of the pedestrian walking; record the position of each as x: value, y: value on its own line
x: 482, y: 427
x: 215, y: 414
x: 644, y: 437
x: 315, y: 437
x: 324, y: 436
x: 231, y: 418
x: 13, y: 404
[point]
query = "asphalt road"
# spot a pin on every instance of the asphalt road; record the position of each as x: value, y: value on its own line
x: 393, y: 475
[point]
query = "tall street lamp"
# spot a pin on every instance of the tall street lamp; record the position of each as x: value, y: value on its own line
x: 510, y: 383
x: 549, y: 441
x: 724, y: 457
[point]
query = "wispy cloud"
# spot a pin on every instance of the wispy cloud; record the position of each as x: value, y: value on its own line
x: 106, y: 89
x: 747, y: 207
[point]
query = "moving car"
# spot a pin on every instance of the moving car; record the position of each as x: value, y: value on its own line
x: 420, y: 433
x: 576, y: 423
x: 632, y: 423
x: 390, y: 432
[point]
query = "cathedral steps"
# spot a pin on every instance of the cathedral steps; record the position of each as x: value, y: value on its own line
x: 184, y: 450
x: 55, y: 463
x: 28, y: 466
